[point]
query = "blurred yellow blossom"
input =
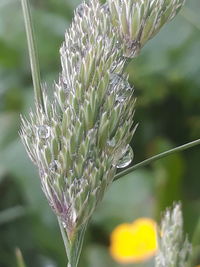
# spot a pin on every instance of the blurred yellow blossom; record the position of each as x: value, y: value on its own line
x: 135, y: 242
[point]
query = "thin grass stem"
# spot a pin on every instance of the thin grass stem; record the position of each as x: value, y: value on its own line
x: 156, y: 157
x: 35, y: 70
x: 64, y: 236
x: 19, y: 257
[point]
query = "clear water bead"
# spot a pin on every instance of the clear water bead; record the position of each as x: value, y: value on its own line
x: 74, y: 47
x: 120, y: 86
x: 105, y: 8
x: 53, y: 166
x: 126, y: 159
x: 111, y: 143
x: 44, y: 131
x: 64, y: 224
x: 115, y: 79
x: 121, y: 98
x: 118, y: 44
x: 80, y: 10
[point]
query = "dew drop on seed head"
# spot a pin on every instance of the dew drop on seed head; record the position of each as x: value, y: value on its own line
x: 80, y: 10
x: 53, y: 166
x: 64, y: 224
x: 111, y: 143
x: 115, y: 79
x: 118, y: 44
x: 77, y: 183
x: 120, y: 98
x: 74, y: 48
x: 126, y: 159
x: 105, y: 8
x: 124, y: 92
x: 44, y: 131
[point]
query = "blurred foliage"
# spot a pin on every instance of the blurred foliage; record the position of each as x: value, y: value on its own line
x: 167, y: 82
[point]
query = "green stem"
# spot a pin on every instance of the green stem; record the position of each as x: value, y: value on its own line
x: 74, y: 245
x: 156, y: 157
x: 35, y: 70
x: 64, y: 237
x: 195, y: 245
x: 19, y: 257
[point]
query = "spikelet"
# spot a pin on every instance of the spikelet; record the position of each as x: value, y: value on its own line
x: 174, y: 249
x: 137, y: 21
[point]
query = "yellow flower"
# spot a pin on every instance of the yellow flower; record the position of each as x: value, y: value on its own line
x: 135, y: 242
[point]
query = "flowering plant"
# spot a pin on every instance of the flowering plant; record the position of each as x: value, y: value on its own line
x: 79, y: 138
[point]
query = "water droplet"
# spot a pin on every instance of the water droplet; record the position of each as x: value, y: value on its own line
x: 53, y: 166
x: 115, y: 79
x: 77, y: 183
x: 105, y: 8
x: 111, y: 142
x: 120, y: 98
x: 120, y: 87
x: 126, y: 159
x: 80, y: 10
x: 118, y: 44
x: 44, y: 131
x: 64, y: 224
x: 124, y: 95
x: 75, y: 47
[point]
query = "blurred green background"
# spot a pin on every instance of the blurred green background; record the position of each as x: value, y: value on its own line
x: 166, y: 77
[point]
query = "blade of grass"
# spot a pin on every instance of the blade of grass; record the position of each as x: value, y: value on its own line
x: 64, y: 236
x: 156, y: 157
x: 196, y: 235
x: 35, y: 70
x: 12, y: 214
x: 19, y: 257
